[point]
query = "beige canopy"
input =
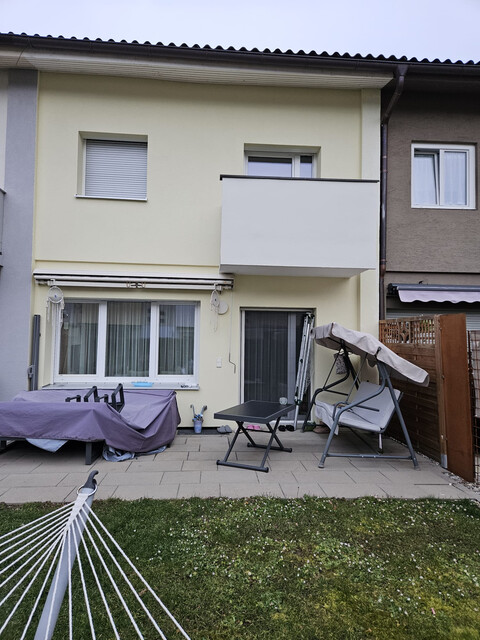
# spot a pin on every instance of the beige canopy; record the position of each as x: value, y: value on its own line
x: 334, y: 336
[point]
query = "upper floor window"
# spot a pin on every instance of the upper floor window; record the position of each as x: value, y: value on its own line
x: 443, y: 176
x: 102, y: 340
x: 115, y: 168
x: 280, y: 164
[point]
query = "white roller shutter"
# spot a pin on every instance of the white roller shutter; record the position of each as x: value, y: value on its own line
x: 116, y: 169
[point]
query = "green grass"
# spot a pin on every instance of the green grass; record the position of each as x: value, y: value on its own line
x: 300, y: 569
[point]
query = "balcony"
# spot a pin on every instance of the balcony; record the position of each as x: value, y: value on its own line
x: 296, y: 227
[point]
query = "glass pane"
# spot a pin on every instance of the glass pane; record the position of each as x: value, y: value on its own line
x: 266, y: 355
x: 128, y: 339
x: 425, y: 178
x: 455, y: 178
x: 78, y: 339
x: 176, y: 339
x: 306, y: 167
x: 270, y: 167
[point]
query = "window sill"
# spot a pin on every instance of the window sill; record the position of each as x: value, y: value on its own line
x: 128, y: 386
x: 82, y: 197
x: 433, y: 207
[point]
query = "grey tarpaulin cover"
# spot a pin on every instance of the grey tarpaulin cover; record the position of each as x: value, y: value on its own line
x: 148, y: 421
x: 364, y: 344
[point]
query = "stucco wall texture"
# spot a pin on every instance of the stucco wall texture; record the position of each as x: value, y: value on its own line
x: 430, y: 241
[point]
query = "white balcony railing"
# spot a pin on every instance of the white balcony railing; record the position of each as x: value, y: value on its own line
x: 296, y: 227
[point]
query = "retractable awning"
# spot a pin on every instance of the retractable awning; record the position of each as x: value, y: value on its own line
x: 436, y: 292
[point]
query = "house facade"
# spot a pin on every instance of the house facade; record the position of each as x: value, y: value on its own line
x: 432, y: 220
x: 170, y: 214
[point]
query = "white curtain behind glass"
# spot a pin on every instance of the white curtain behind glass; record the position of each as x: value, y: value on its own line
x: 78, y: 340
x: 455, y: 178
x: 425, y: 179
x: 128, y: 339
x: 176, y: 339
x: 266, y: 355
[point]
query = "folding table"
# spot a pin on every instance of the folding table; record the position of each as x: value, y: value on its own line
x: 256, y: 411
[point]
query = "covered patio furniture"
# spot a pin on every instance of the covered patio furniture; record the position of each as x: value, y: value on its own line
x: 148, y: 421
x: 366, y: 407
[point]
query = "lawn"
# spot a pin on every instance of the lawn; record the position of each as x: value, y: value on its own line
x: 299, y: 569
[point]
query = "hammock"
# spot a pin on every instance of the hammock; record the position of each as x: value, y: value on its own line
x: 36, y: 562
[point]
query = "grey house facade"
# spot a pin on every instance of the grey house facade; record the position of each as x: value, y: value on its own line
x: 432, y: 235
x: 18, y: 120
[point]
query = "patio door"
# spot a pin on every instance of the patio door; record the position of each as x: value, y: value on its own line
x: 271, y: 348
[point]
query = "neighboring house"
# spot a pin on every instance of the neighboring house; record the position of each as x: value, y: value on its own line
x: 171, y: 213
x: 432, y: 218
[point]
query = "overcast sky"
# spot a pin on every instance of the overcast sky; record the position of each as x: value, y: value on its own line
x: 444, y: 29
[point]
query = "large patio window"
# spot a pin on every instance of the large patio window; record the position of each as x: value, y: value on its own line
x: 128, y: 340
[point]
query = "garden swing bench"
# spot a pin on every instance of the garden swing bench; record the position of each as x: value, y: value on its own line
x: 366, y: 406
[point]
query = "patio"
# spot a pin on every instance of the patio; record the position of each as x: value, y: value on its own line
x: 188, y: 468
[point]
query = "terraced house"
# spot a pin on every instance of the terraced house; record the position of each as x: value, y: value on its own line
x: 171, y: 213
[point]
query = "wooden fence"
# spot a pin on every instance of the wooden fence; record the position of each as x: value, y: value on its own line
x: 438, y: 417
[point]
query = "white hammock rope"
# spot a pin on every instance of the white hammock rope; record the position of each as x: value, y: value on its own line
x: 124, y: 576
x: 31, y: 583
x: 29, y: 548
x: 42, y: 554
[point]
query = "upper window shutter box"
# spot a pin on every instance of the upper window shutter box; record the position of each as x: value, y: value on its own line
x: 116, y: 169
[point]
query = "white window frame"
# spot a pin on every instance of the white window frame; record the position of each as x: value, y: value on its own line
x: 177, y: 381
x: 293, y: 154
x: 85, y: 139
x: 439, y: 152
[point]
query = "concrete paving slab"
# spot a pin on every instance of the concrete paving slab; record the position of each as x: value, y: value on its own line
x: 230, y: 475
x: 203, y: 490
x: 33, y: 480
x: 143, y: 465
x: 130, y: 479
x: 275, y: 476
x: 187, y: 477
x: 298, y: 491
x: 77, y: 479
x: 20, y: 495
x: 231, y: 490
x: 157, y: 492
x: 324, y: 476
x: 213, y: 456
x: 353, y: 490
x: 372, y: 477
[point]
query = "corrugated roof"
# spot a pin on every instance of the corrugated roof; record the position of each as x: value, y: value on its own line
x: 36, y: 38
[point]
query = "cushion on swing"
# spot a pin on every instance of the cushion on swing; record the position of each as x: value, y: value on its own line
x: 361, y: 417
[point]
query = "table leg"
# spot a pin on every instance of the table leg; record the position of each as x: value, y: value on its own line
x: 252, y: 443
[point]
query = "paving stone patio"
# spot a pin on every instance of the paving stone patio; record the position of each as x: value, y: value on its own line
x: 188, y: 468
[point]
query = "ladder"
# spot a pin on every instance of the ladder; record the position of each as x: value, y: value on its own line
x: 303, y: 364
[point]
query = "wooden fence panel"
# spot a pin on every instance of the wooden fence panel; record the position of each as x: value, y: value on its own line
x: 438, y: 417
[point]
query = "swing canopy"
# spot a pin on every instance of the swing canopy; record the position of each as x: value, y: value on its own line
x: 334, y: 336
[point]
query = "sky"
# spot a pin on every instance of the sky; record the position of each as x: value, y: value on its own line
x: 443, y: 29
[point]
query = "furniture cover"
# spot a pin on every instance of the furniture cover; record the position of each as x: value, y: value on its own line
x: 148, y: 421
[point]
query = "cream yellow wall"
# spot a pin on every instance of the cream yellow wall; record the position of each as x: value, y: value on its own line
x: 331, y: 299
x: 195, y: 133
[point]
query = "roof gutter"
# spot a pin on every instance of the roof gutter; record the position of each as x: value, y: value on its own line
x: 400, y: 73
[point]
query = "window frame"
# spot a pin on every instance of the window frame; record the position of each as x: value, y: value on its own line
x: 438, y: 150
x: 293, y: 154
x: 176, y: 381
x: 85, y: 138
